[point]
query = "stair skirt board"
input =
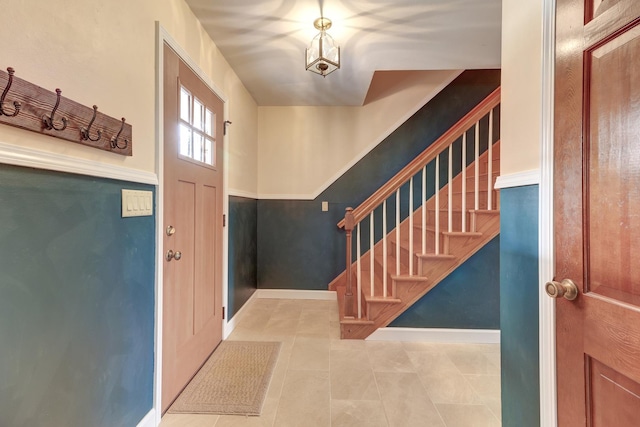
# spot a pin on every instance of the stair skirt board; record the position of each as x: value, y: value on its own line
x: 440, y: 335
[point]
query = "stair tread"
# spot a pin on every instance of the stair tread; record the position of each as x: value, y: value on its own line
x: 462, y: 233
x: 437, y: 256
x: 379, y: 299
x: 407, y: 278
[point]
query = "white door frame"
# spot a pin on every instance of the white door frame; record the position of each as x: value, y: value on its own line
x: 546, y: 261
x: 162, y: 37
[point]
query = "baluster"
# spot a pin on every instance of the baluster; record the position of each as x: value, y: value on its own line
x: 490, y: 160
x: 348, y: 295
x: 359, y: 273
x: 464, y: 182
x: 398, y: 232
x: 477, y: 168
x: 424, y: 209
x: 384, y: 249
x: 371, y: 254
x: 437, y: 224
x: 450, y: 192
x: 411, y: 227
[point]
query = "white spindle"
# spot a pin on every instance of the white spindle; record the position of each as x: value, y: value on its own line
x: 464, y: 182
x: 359, y: 272
x: 371, y: 253
x: 411, y: 227
x: 450, y: 192
x: 490, y: 162
x: 398, y: 232
x: 477, y: 168
x: 424, y: 209
x: 384, y: 248
x: 437, y: 216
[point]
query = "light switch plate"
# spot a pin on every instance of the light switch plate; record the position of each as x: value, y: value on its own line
x: 137, y: 203
x: 325, y: 206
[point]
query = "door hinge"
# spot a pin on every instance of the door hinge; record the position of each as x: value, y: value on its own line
x: 224, y: 313
x: 224, y: 220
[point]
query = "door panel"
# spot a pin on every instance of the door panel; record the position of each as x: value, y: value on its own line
x: 192, y: 303
x: 597, y: 211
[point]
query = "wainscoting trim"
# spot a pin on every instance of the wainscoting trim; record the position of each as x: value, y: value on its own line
x: 39, y: 159
x: 519, y: 179
x: 466, y: 336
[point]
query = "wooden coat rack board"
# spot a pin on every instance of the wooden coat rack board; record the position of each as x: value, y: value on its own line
x: 30, y: 107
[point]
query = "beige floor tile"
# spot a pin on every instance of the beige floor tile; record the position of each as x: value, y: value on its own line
x: 188, y: 420
x: 469, y: 362
x: 486, y: 386
x: 338, y: 344
x: 388, y: 357
x: 494, y: 357
x: 305, y: 400
x: 242, y: 421
x: 314, y: 326
x: 353, y: 384
x: 405, y: 401
x: 495, y: 405
x: 467, y: 416
x: 350, y: 359
x: 432, y: 363
x: 449, y: 388
x: 348, y: 413
x: 432, y: 347
x: 310, y: 354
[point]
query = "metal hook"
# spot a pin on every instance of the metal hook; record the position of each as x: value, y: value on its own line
x: 48, y: 121
x: 16, y: 104
x: 114, y: 140
x: 225, y: 123
x: 85, y: 131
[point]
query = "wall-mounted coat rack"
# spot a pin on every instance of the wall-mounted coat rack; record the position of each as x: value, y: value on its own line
x: 30, y: 107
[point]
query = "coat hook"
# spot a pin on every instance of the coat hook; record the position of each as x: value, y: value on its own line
x: 114, y: 140
x: 16, y: 104
x: 226, y: 123
x: 48, y: 121
x: 85, y: 131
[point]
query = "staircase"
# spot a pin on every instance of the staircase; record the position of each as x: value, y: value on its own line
x: 421, y: 225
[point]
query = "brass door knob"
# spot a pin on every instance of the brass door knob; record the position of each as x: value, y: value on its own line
x: 566, y: 289
x: 173, y: 255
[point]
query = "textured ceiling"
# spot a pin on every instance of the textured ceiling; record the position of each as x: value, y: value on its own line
x: 264, y: 42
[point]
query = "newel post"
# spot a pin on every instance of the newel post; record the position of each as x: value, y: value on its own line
x: 349, y: 223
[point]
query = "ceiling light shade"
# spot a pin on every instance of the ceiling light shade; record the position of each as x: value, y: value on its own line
x: 323, y: 55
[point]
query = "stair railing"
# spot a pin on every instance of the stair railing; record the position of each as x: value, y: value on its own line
x: 390, y: 193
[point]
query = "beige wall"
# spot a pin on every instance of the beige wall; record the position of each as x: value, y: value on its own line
x: 521, y: 110
x: 104, y: 52
x: 304, y: 149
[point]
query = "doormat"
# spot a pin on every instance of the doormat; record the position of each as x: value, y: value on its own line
x: 234, y: 381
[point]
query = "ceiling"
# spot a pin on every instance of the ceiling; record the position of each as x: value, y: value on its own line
x: 264, y: 41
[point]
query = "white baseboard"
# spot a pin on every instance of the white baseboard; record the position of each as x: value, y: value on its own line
x: 149, y: 420
x: 237, y: 317
x: 467, y: 336
x: 296, y: 294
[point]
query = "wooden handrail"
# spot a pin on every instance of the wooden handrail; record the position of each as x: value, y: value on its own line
x: 425, y: 157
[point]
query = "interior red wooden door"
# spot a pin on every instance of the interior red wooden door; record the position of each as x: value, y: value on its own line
x: 192, y: 302
x: 597, y: 211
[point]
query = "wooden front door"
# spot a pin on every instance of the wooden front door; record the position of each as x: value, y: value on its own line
x: 192, y: 307
x: 597, y: 211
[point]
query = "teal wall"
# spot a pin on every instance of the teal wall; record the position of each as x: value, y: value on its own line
x: 469, y: 298
x: 300, y: 247
x: 76, y: 302
x: 519, y: 306
x: 243, y: 251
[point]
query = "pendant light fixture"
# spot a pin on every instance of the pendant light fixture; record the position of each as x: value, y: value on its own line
x: 323, y: 55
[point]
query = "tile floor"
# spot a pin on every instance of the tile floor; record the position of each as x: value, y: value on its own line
x: 321, y: 380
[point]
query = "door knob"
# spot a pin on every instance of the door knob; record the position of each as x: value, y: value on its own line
x: 173, y: 255
x: 171, y: 230
x: 566, y: 289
